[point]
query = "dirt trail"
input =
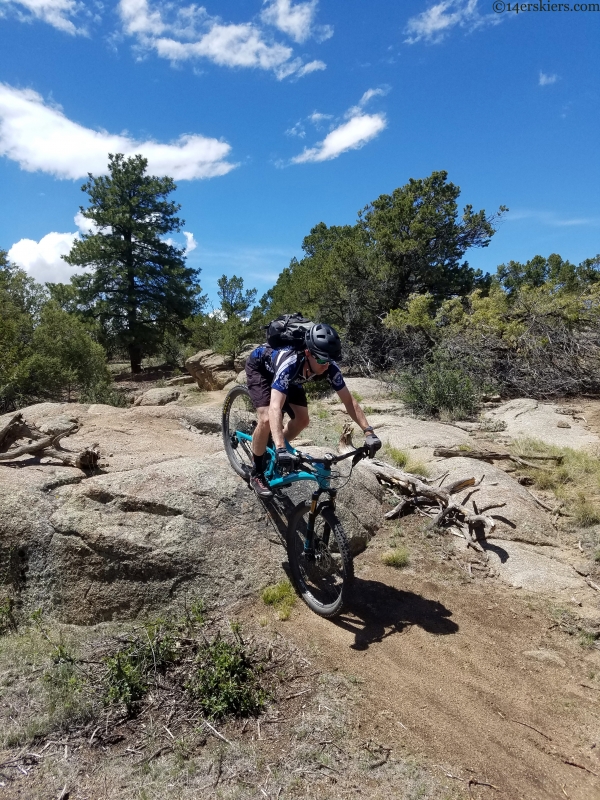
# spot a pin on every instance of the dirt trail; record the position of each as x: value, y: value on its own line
x: 446, y: 677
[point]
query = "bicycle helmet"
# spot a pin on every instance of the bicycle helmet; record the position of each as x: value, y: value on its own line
x: 323, y: 342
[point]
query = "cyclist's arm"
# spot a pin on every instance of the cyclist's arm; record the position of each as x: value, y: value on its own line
x: 352, y: 407
x: 276, y: 416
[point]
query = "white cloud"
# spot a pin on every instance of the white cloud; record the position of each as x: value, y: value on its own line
x: 42, y: 260
x: 57, y: 13
x: 84, y: 224
x: 434, y: 23
x: 190, y: 33
x: 295, y: 20
x: 351, y: 135
x: 190, y: 242
x: 40, y: 137
x: 552, y: 219
x: 547, y: 80
x: 317, y: 118
x: 296, y: 130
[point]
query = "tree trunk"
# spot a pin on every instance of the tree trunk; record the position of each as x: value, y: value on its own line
x: 135, y: 358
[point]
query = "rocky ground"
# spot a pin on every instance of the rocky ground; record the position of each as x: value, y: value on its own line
x: 447, y: 678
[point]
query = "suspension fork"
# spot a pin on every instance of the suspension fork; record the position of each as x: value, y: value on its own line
x: 312, y: 516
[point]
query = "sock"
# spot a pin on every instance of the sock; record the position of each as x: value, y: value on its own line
x: 258, y: 464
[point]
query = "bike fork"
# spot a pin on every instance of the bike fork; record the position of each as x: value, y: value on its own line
x: 310, y: 525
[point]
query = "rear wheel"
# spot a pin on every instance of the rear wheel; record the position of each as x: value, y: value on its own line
x: 324, y: 573
x: 239, y: 415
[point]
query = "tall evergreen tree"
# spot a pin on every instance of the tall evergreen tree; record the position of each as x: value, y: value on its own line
x: 138, y: 286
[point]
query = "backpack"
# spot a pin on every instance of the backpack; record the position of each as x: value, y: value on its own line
x: 288, y: 330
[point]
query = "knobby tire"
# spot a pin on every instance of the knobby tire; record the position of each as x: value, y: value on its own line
x: 324, y: 583
x: 238, y: 414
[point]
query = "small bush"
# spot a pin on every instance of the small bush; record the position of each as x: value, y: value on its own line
x: 439, y: 389
x: 358, y: 397
x: 129, y: 669
x: 586, y: 512
x: 281, y: 596
x: 597, y: 556
x: 68, y: 699
x: 315, y: 390
x: 397, y: 558
x: 103, y: 394
x: 225, y: 681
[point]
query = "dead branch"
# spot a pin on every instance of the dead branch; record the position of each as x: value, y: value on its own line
x: 418, y: 492
x: 43, y: 445
x: 491, y: 455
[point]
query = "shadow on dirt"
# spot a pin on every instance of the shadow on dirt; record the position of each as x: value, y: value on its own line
x: 378, y: 611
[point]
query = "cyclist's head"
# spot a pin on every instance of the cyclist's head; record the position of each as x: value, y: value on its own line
x: 323, y: 342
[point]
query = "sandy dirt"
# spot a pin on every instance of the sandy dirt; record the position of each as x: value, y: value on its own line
x: 475, y: 678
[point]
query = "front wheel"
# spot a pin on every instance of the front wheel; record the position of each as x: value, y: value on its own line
x: 322, y: 572
x: 238, y: 423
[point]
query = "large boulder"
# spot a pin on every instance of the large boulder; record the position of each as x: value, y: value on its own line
x: 211, y: 370
x: 157, y: 397
x: 240, y: 360
x: 163, y: 518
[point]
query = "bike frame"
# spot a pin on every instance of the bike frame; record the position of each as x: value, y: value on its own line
x: 321, y: 474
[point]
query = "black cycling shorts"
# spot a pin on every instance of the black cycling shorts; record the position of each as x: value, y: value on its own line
x: 259, y: 388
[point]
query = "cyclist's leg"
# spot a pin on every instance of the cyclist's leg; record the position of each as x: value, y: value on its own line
x: 298, y: 407
x: 259, y: 389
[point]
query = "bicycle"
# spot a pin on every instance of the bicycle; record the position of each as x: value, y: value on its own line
x: 318, y: 552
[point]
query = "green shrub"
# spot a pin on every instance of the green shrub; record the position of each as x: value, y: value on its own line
x: 68, y: 699
x: 104, y: 394
x: 226, y: 680
x: 130, y: 668
x: 317, y: 389
x: 440, y: 388
x: 281, y: 596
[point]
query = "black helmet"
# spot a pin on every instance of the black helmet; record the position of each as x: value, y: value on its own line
x: 323, y: 342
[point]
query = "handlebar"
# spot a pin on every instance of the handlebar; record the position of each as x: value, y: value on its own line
x: 329, y: 458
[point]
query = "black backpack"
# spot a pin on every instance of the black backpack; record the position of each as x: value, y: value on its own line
x: 289, y: 330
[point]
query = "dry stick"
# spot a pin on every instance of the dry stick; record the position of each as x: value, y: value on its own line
x: 304, y: 691
x: 530, y: 726
x: 471, y: 781
x: 216, y: 732
x: 580, y: 766
x: 592, y: 584
x: 557, y: 510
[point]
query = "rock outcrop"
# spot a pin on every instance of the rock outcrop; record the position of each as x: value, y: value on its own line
x: 213, y: 371
x: 164, y: 516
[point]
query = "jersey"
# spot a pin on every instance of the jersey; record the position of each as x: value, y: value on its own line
x: 285, y: 368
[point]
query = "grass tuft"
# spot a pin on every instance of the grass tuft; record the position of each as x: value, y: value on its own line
x: 397, y: 558
x: 281, y: 596
x: 575, y: 480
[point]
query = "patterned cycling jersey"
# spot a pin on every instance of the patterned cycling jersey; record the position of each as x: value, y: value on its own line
x: 284, y: 368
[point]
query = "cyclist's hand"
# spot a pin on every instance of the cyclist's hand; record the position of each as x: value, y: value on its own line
x: 373, y: 444
x: 285, y: 461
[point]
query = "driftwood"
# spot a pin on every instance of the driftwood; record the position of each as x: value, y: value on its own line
x: 418, y: 493
x: 490, y: 455
x: 18, y: 438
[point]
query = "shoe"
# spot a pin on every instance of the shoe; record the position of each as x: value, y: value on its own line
x: 259, y: 484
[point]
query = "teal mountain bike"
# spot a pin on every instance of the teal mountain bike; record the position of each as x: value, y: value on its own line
x: 319, y: 556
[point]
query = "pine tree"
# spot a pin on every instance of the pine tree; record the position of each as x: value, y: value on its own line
x: 138, y: 286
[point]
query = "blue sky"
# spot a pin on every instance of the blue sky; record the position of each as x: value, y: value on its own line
x: 274, y: 116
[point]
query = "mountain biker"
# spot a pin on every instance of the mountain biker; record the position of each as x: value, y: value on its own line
x: 275, y: 379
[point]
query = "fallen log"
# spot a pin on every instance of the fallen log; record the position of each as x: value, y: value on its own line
x: 43, y: 445
x: 490, y: 456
